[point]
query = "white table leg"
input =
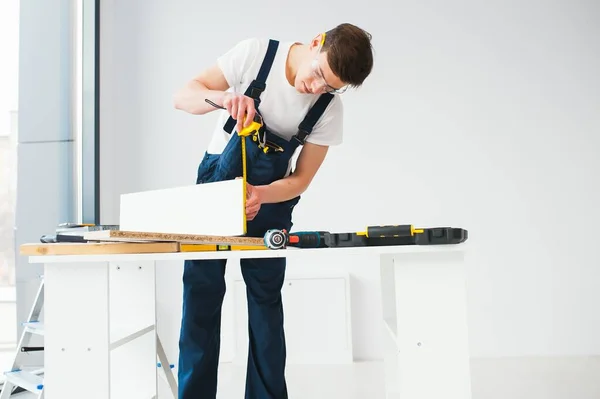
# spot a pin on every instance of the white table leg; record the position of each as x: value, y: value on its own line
x: 133, y: 365
x: 100, y: 339
x: 425, y: 325
x: 77, y: 334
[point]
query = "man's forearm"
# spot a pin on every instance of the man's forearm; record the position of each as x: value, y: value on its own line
x: 191, y: 98
x: 282, y: 190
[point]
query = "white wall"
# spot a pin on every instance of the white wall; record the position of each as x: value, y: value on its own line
x: 482, y: 115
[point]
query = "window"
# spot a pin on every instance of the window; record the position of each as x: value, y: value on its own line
x: 9, y: 89
x: 87, y: 115
x: 9, y: 78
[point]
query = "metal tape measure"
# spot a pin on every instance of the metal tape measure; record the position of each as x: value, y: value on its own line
x: 275, y: 239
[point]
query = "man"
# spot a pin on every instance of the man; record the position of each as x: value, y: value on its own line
x: 292, y: 88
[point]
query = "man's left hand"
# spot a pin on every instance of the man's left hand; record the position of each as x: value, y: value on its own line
x: 253, y: 201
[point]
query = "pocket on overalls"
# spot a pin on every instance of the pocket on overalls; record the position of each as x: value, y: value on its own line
x: 265, y: 168
x: 229, y: 163
x: 206, y: 169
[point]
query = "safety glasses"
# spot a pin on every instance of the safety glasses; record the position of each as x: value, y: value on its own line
x: 317, y: 73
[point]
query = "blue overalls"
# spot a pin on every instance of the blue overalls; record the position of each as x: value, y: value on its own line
x: 203, y: 280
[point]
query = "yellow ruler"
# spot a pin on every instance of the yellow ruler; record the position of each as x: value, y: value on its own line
x: 245, y: 179
x: 252, y: 129
x: 217, y: 247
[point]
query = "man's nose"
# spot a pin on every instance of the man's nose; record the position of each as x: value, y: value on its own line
x: 316, y: 86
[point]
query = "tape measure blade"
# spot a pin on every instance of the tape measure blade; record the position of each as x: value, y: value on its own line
x: 245, y: 183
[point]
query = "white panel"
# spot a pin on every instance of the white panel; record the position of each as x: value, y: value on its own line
x: 317, y: 320
x: 432, y: 333
x: 133, y: 315
x: 212, y: 208
x: 390, y: 360
x: 133, y: 369
x: 100, y: 321
x: 132, y: 305
x: 76, y: 331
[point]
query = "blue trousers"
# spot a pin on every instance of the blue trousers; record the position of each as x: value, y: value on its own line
x: 204, y: 289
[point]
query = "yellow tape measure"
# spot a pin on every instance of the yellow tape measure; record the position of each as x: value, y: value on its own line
x: 245, y: 179
x: 252, y: 129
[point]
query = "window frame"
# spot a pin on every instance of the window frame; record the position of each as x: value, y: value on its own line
x: 87, y: 113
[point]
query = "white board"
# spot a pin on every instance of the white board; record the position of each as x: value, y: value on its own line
x: 211, y: 209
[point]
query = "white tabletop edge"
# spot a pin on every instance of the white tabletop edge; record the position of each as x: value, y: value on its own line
x: 287, y: 253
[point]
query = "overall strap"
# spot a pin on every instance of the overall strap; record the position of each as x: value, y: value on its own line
x: 312, y: 116
x: 259, y: 84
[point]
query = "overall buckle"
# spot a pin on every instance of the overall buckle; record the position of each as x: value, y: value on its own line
x: 300, y: 137
x: 255, y: 90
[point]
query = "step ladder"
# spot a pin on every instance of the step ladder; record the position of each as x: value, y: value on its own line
x: 21, y: 377
x: 26, y: 378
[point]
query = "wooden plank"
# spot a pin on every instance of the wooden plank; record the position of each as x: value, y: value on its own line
x: 201, y: 209
x: 98, y: 248
x: 139, y: 236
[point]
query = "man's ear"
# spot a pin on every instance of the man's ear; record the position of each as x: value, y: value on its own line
x: 316, y: 41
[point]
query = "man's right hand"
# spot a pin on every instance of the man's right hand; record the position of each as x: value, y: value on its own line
x: 238, y: 106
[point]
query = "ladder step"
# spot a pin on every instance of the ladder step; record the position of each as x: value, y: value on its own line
x: 32, y: 349
x: 34, y: 327
x: 26, y: 380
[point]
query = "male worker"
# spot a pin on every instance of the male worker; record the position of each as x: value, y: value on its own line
x: 294, y: 88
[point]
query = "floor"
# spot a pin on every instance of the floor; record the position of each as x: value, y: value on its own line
x: 536, y: 378
x: 357, y: 381
x: 539, y: 378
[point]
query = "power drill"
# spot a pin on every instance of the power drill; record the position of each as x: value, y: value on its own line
x: 403, y: 234
x: 278, y: 239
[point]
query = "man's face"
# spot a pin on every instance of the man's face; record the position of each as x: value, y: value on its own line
x: 315, y: 75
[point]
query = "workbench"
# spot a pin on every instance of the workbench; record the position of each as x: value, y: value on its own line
x: 100, y: 341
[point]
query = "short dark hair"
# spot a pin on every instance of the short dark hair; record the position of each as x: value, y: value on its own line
x: 349, y: 53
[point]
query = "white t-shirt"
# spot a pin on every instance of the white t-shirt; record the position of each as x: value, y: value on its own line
x: 282, y: 106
